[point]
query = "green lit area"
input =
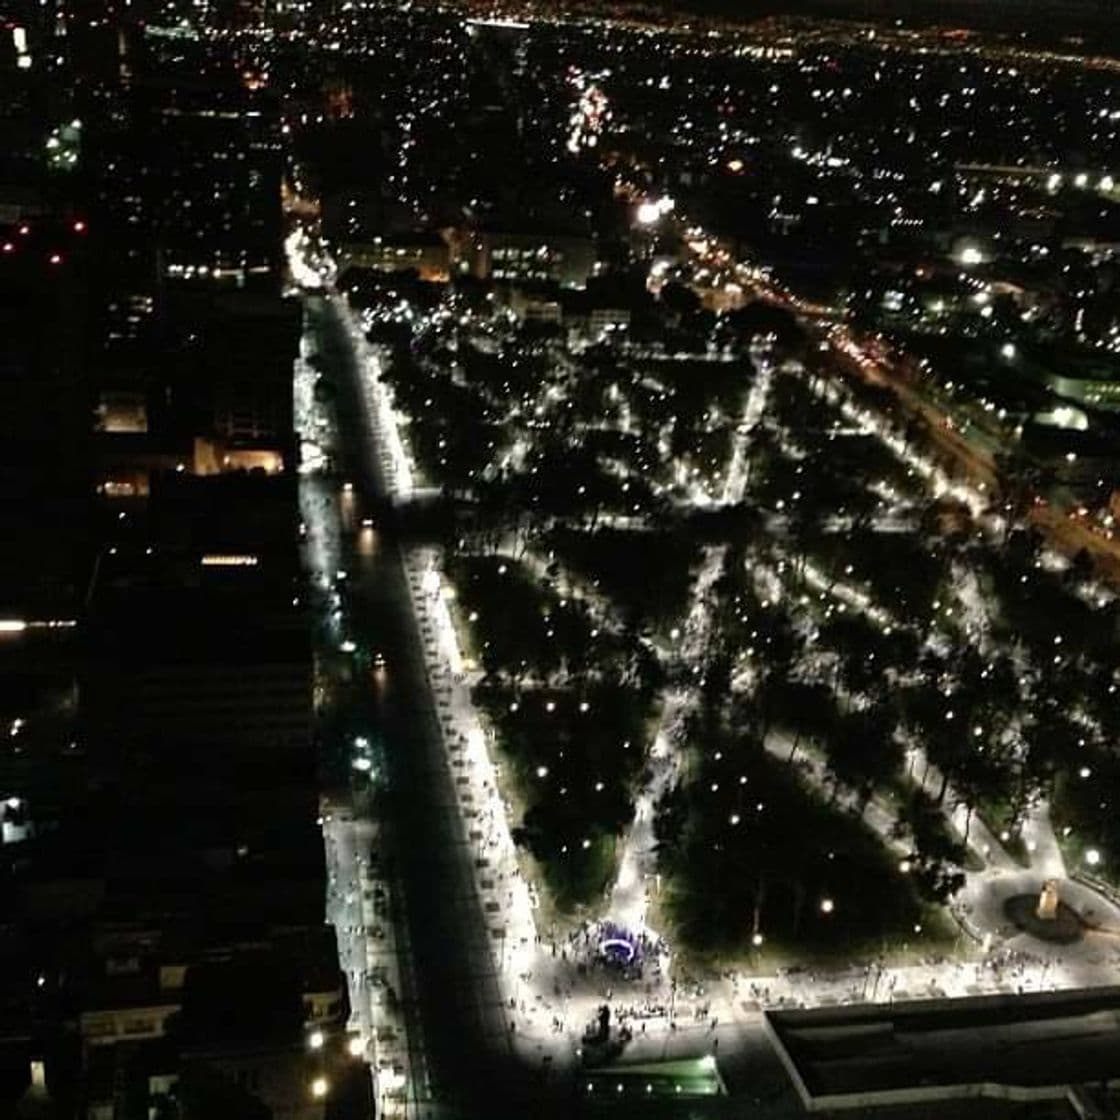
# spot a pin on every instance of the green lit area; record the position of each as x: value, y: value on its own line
x: 689, y: 1077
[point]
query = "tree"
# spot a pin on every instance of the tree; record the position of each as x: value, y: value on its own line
x: 937, y: 882
x: 1050, y: 741
x: 670, y: 818
x: 762, y: 318
x: 806, y: 710
x: 930, y: 717
x: 680, y: 299
x: 1081, y: 568
x: 863, y: 752
x: 936, y: 859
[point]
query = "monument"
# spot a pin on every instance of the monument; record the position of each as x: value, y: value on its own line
x: 1045, y: 915
x: 1048, y: 900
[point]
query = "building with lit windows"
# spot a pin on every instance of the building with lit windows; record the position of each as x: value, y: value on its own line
x: 425, y: 253
x: 188, y: 181
x: 211, y: 395
x: 566, y: 259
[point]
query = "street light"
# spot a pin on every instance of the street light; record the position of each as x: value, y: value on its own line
x: 319, y: 1088
x: 315, y: 1040
x: 392, y: 1081
x: 654, y: 208
x: 827, y: 905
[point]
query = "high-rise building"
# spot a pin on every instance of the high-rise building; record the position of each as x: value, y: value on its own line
x: 162, y: 936
x: 187, y: 175
x: 44, y: 417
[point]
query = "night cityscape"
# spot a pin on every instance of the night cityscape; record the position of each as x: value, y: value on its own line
x: 559, y: 559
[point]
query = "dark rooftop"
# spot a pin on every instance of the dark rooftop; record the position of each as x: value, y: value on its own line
x: 988, y: 1045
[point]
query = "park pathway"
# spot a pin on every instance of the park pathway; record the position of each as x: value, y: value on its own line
x: 637, y: 865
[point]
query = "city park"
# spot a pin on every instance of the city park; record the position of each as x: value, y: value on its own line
x: 752, y: 676
x: 873, y: 680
